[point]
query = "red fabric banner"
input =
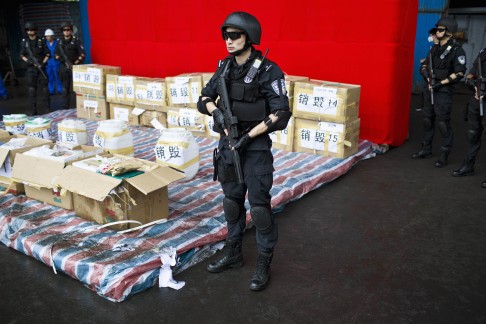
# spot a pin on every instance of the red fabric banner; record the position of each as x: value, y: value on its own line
x: 354, y: 41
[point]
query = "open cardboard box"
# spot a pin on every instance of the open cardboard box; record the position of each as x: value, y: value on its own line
x: 40, y: 176
x: 105, y: 199
x: 7, y: 159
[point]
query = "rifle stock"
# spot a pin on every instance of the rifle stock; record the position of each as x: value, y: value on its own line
x: 431, y: 78
x: 231, y: 122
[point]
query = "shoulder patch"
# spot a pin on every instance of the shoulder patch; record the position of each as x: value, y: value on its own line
x: 462, y: 59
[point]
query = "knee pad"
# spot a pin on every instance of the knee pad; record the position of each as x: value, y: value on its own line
x: 231, y: 210
x: 473, y: 136
x: 428, y: 125
x: 444, y: 127
x: 262, y: 219
x: 32, y: 91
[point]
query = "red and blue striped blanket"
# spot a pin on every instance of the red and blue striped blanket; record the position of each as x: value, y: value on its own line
x: 116, y: 265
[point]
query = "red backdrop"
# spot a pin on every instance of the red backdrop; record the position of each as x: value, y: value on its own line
x: 369, y: 43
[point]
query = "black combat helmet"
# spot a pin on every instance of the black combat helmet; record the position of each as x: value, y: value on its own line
x: 30, y: 26
x: 448, y: 22
x: 246, y: 22
x: 66, y: 24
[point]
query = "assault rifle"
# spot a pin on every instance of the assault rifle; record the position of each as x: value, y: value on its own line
x: 68, y: 63
x: 480, y: 86
x: 231, y: 121
x: 431, y: 78
x: 34, y: 60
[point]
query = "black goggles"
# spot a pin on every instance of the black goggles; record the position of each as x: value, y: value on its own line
x: 440, y: 30
x: 234, y: 35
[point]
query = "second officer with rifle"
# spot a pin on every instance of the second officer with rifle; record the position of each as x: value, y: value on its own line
x: 254, y: 104
x: 34, y: 53
x: 69, y: 52
x: 449, y: 65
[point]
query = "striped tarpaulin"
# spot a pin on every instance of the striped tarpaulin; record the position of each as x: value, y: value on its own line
x: 118, y: 265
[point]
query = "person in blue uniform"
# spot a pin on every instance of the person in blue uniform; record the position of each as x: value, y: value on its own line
x: 259, y: 101
x: 52, y: 67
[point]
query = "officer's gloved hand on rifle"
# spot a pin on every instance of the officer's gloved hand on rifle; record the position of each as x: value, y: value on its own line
x: 243, y: 142
x: 218, y: 117
x: 437, y: 86
x: 470, y: 84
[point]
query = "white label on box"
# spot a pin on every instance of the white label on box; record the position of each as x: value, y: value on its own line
x: 172, y: 119
x: 332, y: 145
x: 98, y: 141
x: 137, y: 111
x: 312, y: 139
x: 77, y: 77
x: 210, y: 124
x: 195, y: 91
x: 129, y: 93
x: 95, y: 75
x: 331, y: 127
x: 324, y: 103
x: 157, y: 124
x: 121, y: 113
x: 110, y: 90
x: 91, y: 104
x: 155, y: 91
x: 181, y: 80
x: 120, y: 90
x: 6, y: 169
x: 127, y: 80
x: 179, y: 93
x: 188, y: 117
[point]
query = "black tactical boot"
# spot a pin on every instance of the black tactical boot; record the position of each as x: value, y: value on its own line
x: 425, y: 152
x: 230, y: 257
x: 260, y: 279
x: 467, y: 168
x: 442, y: 161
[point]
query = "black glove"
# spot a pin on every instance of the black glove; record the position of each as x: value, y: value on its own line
x: 470, y: 84
x: 243, y: 142
x: 218, y: 118
x: 437, y: 86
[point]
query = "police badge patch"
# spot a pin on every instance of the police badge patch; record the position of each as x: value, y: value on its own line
x: 276, y: 87
x: 462, y: 59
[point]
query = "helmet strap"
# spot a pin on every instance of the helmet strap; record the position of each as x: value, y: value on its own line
x: 241, y: 51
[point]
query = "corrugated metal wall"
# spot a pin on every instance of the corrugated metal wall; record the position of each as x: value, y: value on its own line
x: 430, y: 12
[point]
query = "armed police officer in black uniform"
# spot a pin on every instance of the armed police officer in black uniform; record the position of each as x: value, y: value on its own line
x: 34, y: 52
x: 448, y: 67
x: 69, y: 52
x: 259, y: 104
x: 476, y: 81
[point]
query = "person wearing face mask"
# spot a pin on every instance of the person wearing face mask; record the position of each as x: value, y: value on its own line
x: 449, y: 66
x: 432, y: 39
x: 69, y: 52
x: 52, y: 66
x: 34, y: 53
x: 259, y: 101
x: 476, y: 81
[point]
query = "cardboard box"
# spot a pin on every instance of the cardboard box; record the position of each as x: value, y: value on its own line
x: 188, y: 118
x: 326, y: 138
x: 92, y: 107
x: 209, y: 125
x: 7, y: 160
x: 289, y: 85
x: 151, y: 94
x: 126, y: 113
x: 39, y: 176
x: 120, y: 89
x: 324, y: 100
x: 91, y: 78
x: 284, y: 139
x: 149, y: 115
x: 184, y: 90
x: 105, y: 199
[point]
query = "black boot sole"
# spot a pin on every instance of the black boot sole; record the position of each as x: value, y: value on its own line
x: 256, y: 287
x: 418, y: 157
x: 462, y: 174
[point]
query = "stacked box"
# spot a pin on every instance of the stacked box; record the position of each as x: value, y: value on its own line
x: 91, y: 78
x: 284, y: 139
x: 151, y: 94
x: 91, y: 107
x: 209, y: 125
x: 184, y: 90
x: 188, y: 118
x: 120, y: 89
x: 327, y: 101
x: 326, y: 138
x: 127, y: 113
x: 289, y: 85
